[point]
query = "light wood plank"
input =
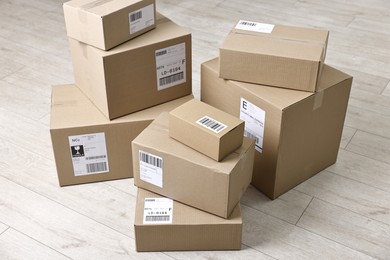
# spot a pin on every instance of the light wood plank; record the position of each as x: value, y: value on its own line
x: 347, y: 135
x: 386, y: 91
x: 3, y: 227
x: 376, y: 103
x: 345, y: 227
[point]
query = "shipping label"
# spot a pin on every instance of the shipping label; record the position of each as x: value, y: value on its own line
x: 151, y: 168
x: 158, y: 211
x: 211, y: 124
x: 254, y: 27
x: 141, y: 18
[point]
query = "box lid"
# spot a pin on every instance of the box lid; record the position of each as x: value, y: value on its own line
x: 100, y: 7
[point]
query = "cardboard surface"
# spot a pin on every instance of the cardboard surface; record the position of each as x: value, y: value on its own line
x: 206, y: 129
x: 302, y: 130
x: 106, y: 24
x: 283, y: 56
x: 149, y: 70
x: 170, y: 168
x: 73, y: 115
x: 190, y: 229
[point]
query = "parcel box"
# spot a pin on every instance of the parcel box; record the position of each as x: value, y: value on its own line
x: 297, y: 133
x: 275, y: 55
x: 162, y: 224
x: 206, y: 129
x: 87, y: 146
x: 167, y: 167
x: 106, y: 24
x: 148, y: 70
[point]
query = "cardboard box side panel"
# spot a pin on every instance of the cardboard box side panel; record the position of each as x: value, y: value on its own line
x: 232, y: 139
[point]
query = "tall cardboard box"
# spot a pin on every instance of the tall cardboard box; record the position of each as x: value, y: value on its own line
x: 146, y: 71
x: 87, y: 146
x: 162, y: 224
x: 274, y: 55
x: 297, y: 133
x: 167, y: 167
x: 106, y: 24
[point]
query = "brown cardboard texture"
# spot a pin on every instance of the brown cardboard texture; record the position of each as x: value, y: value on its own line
x: 275, y: 55
x: 106, y: 24
x: 149, y: 70
x: 165, y: 166
x: 87, y: 146
x: 206, y: 129
x: 190, y: 228
x: 299, y: 132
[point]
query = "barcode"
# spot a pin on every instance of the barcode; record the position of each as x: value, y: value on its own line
x: 95, y: 157
x: 157, y: 218
x: 172, y: 78
x: 135, y: 16
x: 159, y: 53
x: 252, y: 135
x: 211, y: 124
x: 150, y: 159
x: 96, y: 167
x: 247, y: 23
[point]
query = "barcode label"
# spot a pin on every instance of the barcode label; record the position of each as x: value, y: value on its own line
x: 157, y: 218
x: 254, y: 118
x: 96, y: 167
x: 254, y: 26
x: 141, y: 18
x: 151, y: 168
x: 247, y: 23
x: 211, y: 124
x: 95, y: 157
x: 249, y: 134
x: 171, y: 79
x: 158, y: 211
x: 135, y: 16
x: 150, y: 159
x: 159, y: 53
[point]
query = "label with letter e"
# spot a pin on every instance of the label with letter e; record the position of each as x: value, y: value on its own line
x: 158, y: 211
x: 254, y: 118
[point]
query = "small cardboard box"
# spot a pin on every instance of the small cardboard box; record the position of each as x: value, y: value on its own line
x: 162, y: 224
x: 149, y: 70
x: 170, y: 168
x: 274, y: 55
x: 106, y: 24
x: 297, y: 133
x: 206, y: 129
x: 87, y: 146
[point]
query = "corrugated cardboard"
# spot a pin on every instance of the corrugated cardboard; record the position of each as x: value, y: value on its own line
x: 73, y: 115
x: 206, y: 129
x: 191, y: 229
x: 275, y: 55
x: 123, y: 80
x: 107, y: 23
x: 302, y: 130
x: 177, y: 171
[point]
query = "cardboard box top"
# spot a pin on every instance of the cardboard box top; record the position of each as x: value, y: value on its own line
x: 71, y: 108
x: 184, y: 214
x: 280, y: 97
x: 100, y: 7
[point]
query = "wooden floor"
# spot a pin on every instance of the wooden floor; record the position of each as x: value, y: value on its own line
x: 341, y: 213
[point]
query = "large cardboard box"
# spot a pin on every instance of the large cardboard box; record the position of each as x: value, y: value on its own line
x: 148, y: 70
x: 206, y: 129
x: 162, y: 224
x: 172, y: 169
x: 297, y: 133
x: 87, y: 146
x: 275, y: 55
x: 106, y: 24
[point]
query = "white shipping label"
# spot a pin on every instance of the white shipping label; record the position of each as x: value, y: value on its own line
x: 158, y: 211
x: 254, y: 118
x: 141, y: 18
x: 151, y: 168
x: 171, y: 66
x: 255, y: 27
x: 89, y: 154
x: 211, y: 124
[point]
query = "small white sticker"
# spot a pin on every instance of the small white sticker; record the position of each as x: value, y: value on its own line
x: 254, y: 118
x: 211, y: 124
x: 89, y: 154
x: 255, y: 27
x: 158, y: 211
x: 151, y: 168
x: 141, y: 18
x: 171, y: 66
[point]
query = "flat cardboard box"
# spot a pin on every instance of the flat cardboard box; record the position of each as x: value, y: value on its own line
x: 206, y: 129
x: 298, y: 133
x: 106, y: 24
x: 172, y: 169
x: 189, y: 228
x: 149, y: 70
x: 274, y: 55
x: 77, y: 126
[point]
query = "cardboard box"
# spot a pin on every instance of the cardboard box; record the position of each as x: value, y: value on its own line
x: 106, y: 24
x: 275, y: 55
x: 87, y: 146
x: 181, y: 227
x: 297, y: 133
x: 167, y: 167
x: 148, y: 70
x: 206, y: 129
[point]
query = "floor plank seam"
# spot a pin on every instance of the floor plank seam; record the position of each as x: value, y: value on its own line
x: 303, y: 212
x: 5, y: 230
